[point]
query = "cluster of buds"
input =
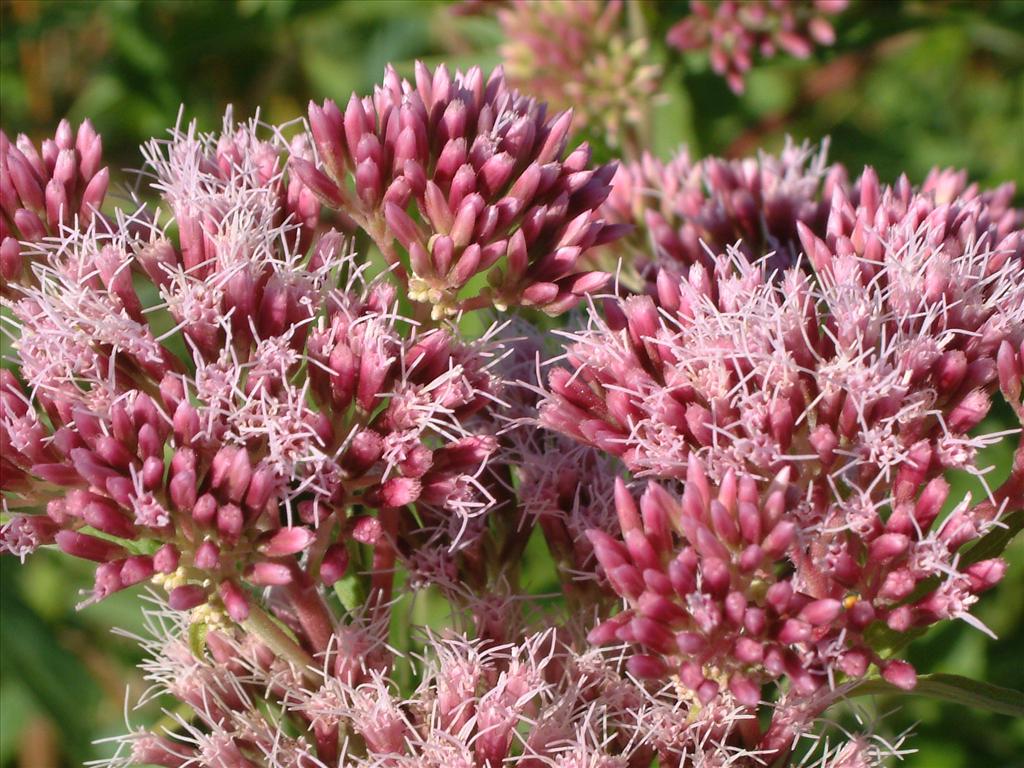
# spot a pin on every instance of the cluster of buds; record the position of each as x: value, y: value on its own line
x: 467, y: 177
x: 685, y: 212
x: 734, y: 32
x: 220, y: 399
x: 533, y: 703
x: 826, y: 408
x: 59, y: 184
x: 577, y: 54
x: 729, y: 588
x: 872, y: 375
x: 208, y: 441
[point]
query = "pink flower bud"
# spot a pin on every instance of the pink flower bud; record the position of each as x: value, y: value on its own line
x: 207, y: 556
x: 136, y: 569
x: 186, y: 597
x: 235, y: 601
x: 887, y: 546
x: 900, y: 674
x: 334, y: 564
x: 646, y: 667
x: 821, y: 612
x: 88, y: 547
x: 287, y: 541
x: 268, y: 574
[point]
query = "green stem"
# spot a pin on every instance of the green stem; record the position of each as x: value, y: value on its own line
x: 267, y: 630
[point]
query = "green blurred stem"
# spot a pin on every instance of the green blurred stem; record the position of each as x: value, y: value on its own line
x: 267, y: 630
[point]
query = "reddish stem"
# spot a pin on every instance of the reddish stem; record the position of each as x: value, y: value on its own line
x: 384, y: 554
x: 311, y: 610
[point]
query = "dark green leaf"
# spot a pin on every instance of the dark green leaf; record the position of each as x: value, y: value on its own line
x: 952, y: 688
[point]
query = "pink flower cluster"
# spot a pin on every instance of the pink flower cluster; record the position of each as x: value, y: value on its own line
x: 292, y: 444
x: 41, y: 189
x: 267, y: 392
x: 811, y: 413
x: 469, y: 177
x: 686, y: 212
x: 734, y: 32
x: 577, y: 54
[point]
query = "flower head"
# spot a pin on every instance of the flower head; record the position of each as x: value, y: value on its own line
x: 42, y: 189
x: 469, y: 177
x: 577, y: 54
x: 734, y: 33
x: 271, y: 388
x: 685, y: 212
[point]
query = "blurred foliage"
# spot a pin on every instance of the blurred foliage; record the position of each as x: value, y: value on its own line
x: 908, y: 85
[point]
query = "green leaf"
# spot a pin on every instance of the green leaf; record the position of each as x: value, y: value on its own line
x: 953, y: 688
x: 56, y: 679
x: 350, y: 591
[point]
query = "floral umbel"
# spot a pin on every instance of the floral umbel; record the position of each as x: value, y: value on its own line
x: 306, y: 376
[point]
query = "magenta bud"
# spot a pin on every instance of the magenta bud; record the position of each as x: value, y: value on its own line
x: 1011, y: 370
x: 261, y: 488
x: 930, y: 502
x: 366, y: 530
x: 746, y: 691
x: 107, y: 579
x: 707, y: 691
x: 900, y: 619
x: 610, y: 553
x: 105, y: 517
x: 646, y: 667
x: 690, y: 643
x: 897, y: 585
x: 778, y: 596
x: 820, y: 612
x: 794, y: 631
x: 401, y: 225
x: 186, y: 597
x: 626, y: 581
x: 607, y: 631
x: 152, y: 473
x: 267, y: 574
x: 88, y: 547
x: 969, y: 412
x: 287, y: 541
x: 204, y: 510
x: 10, y: 259
x: 887, y: 546
x: 653, y: 634
x: 182, y: 489
x: 855, y: 663
x: 317, y: 181
x: 900, y: 674
x: 166, y: 559
x: 235, y: 601
x: 748, y: 651
x: 207, y: 556
x: 625, y: 506
x: 986, y: 574
x: 399, y: 491
x: 334, y: 564
x: 230, y: 521
x: 185, y: 422
x: 136, y: 569
x: 641, y: 552
x: 238, y: 476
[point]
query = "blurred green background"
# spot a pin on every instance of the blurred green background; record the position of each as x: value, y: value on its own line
x: 908, y: 85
